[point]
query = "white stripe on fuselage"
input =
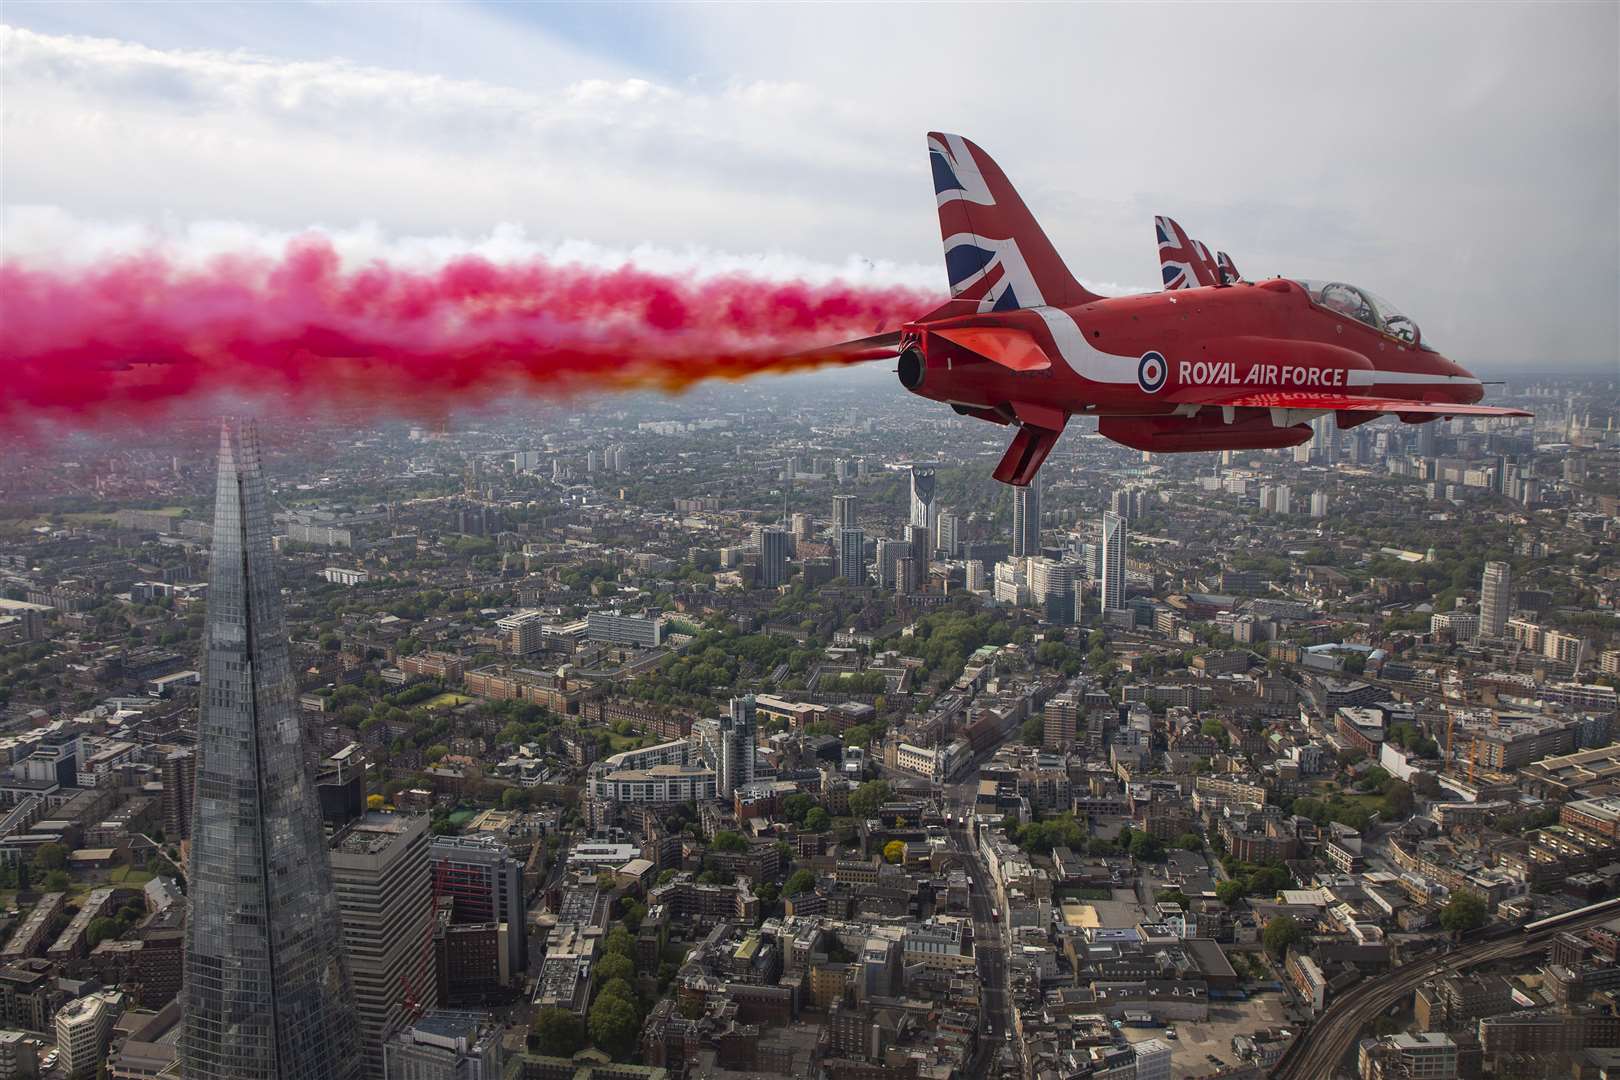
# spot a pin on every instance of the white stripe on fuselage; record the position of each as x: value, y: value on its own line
x: 1101, y: 367
x: 1076, y: 351
x: 1375, y: 376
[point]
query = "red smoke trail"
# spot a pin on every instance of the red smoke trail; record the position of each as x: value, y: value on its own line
x: 138, y: 335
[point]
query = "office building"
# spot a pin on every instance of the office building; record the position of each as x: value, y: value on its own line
x: 801, y: 526
x: 739, y: 732
x: 1426, y: 1055
x: 905, y: 575
x: 385, y: 898
x: 1495, y: 599
x: 1325, y: 440
x: 83, y: 1027
x: 1152, y: 1059
x: 266, y: 992
x: 485, y: 885
x: 620, y: 629
x: 843, y: 512
x: 522, y: 632
x: 446, y: 1045
x: 1027, y: 519
x: 179, y: 771
x: 918, y: 543
x: 1115, y: 541
x: 950, y: 534
x: 773, y: 557
x: 852, y: 556
x: 1428, y: 439
x: 1276, y: 499
x: 1060, y: 722
x: 889, y: 554
x: 1125, y: 502
x: 924, y: 510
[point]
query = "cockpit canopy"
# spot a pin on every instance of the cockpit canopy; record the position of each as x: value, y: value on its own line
x: 1364, y: 307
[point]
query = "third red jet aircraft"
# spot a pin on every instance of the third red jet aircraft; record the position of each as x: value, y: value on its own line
x: 1211, y: 363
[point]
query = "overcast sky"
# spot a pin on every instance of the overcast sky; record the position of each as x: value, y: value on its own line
x: 1461, y: 160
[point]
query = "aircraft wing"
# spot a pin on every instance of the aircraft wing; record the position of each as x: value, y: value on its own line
x: 1305, y: 399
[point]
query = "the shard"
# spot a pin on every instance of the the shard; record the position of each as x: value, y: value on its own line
x: 267, y: 994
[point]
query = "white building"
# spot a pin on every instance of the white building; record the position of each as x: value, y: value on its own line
x: 621, y: 629
x: 82, y: 1028
x: 1115, y: 542
x: 1152, y: 1059
x: 1495, y: 598
x: 338, y: 575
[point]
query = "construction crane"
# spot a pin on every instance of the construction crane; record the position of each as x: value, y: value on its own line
x: 1473, y: 758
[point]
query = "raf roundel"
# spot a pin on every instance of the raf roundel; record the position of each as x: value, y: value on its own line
x: 1151, y: 372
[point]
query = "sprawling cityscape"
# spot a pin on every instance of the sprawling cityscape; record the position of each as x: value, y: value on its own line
x: 759, y: 732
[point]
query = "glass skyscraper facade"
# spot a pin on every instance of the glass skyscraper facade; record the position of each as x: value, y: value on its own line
x: 267, y: 994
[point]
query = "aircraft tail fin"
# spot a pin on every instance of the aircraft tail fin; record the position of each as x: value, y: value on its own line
x: 996, y: 255
x: 1185, y: 263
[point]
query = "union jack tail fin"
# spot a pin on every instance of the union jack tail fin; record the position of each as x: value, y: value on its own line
x: 996, y: 255
x: 1184, y: 262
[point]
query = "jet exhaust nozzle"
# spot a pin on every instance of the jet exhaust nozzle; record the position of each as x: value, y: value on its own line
x: 911, y: 368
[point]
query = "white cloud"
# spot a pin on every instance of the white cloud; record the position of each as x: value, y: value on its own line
x: 1464, y: 164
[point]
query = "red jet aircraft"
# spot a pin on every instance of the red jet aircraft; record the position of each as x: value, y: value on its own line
x: 1212, y: 363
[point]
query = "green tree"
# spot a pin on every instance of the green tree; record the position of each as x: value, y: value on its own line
x: 57, y: 881
x: 1397, y: 799
x: 868, y: 797
x: 1230, y: 892
x: 1190, y: 841
x: 797, y: 807
x: 620, y: 941
x: 1146, y: 849
x: 619, y: 988
x: 1268, y: 880
x: 801, y: 881
x: 817, y: 820
x: 1463, y: 912
x: 614, y: 1025
x: 726, y: 840
x: 51, y: 857
x: 101, y: 929
x: 560, y: 1032
x: 1280, y: 933
x: 614, y: 966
